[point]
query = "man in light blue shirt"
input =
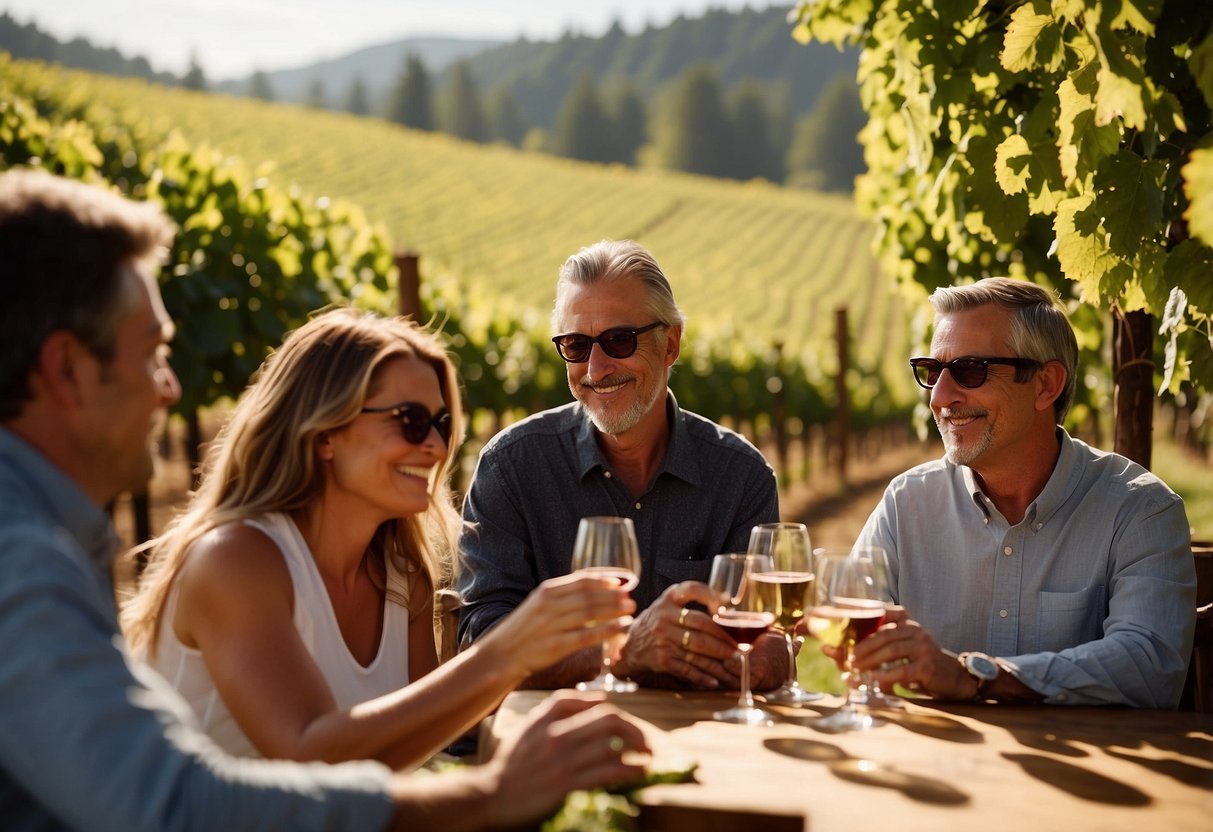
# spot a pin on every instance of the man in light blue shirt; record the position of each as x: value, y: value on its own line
x: 90, y: 739
x: 1030, y: 566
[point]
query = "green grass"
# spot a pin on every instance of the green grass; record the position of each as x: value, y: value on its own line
x: 1192, y: 479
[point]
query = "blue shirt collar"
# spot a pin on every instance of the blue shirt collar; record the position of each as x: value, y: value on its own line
x: 1068, y: 472
x: 58, y: 497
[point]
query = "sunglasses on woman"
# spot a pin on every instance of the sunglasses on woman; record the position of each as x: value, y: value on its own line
x: 969, y: 372
x: 617, y: 342
x: 416, y: 421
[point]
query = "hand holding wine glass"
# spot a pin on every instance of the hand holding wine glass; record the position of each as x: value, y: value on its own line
x: 606, y: 548
x: 787, y: 591
x: 743, y: 617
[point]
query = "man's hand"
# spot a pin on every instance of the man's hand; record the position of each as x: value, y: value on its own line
x: 670, y: 638
x: 902, y: 652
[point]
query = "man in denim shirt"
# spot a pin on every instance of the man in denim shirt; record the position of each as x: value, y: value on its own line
x: 692, y: 488
x: 90, y: 739
x: 1031, y: 567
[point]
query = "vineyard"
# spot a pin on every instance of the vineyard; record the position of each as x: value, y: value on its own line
x: 759, y: 270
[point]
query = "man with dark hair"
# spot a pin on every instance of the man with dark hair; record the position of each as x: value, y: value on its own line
x: 692, y: 488
x: 89, y: 738
x: 1031, y: 567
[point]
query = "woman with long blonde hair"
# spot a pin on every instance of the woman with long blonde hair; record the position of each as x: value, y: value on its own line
x: 292, y: 602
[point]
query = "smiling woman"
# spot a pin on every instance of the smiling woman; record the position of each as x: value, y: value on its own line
x: 292, y: 602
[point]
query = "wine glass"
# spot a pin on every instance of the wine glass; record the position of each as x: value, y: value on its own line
x: 786, y: 592
x: 742, y: 616
x: 876, y: 698
x: 854, y: 609
x: 606, y: 548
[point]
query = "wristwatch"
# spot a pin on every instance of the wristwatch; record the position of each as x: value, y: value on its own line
x: 981, y: 667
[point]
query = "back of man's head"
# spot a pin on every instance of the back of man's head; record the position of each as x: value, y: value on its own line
x: 61, y: 247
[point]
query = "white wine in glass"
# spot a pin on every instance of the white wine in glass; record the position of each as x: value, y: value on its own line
x: 742, y: 616
x: 606, y: 548
x: 787, y: 592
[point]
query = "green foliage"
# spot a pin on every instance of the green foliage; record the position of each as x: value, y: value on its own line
x: 1055, y: 141
x: 493, y: 225
x: 695, y: 134
x: 825, y: 151
x: 411, y: 101
x: 583, y: 128
x: 462, y: 111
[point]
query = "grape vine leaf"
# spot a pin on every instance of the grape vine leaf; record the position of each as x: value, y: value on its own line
x: 1130, y: 200
x: 1032, y: 40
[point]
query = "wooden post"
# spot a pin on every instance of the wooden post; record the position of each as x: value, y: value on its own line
x: 1133, y: 373
x: 409, y: 286
x: 779, y: 417
x: 842, y: 404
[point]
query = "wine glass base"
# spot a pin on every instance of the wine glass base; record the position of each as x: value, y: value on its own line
x: 884, y: 701
x: 788, y: 695
x: 744, y: 716
x: 846, y: 720
x: 610, y: 683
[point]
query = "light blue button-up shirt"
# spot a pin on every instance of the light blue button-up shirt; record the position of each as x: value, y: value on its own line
x: 92, y: 740
x: 1091, y: 597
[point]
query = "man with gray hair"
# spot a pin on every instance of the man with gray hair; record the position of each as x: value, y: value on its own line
x: 1030, y: 567
x: 692, y: 488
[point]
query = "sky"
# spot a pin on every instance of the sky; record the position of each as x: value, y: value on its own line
x: 232, y: 38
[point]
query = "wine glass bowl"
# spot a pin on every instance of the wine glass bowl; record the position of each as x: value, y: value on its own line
x: 743, y: 617
x: 787, y: 592
x: 849, y: 609
x: 606, y: 548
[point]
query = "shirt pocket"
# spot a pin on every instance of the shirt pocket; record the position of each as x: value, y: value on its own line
x: 674, y: 570
x: 1067, y: 619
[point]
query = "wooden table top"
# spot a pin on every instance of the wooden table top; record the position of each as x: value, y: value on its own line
x: 931, y: 767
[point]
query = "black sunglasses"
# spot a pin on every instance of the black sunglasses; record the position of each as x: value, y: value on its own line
x: 416, y: 421
x: 617, y: 342
x: 970, y: 371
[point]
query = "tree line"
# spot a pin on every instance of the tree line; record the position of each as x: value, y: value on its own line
x: 694, y: 124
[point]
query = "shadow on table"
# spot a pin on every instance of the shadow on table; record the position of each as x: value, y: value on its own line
x: 1080, y: 782
x: 866, y: 772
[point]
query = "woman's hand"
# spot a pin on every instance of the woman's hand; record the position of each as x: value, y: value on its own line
x: 558, y: 618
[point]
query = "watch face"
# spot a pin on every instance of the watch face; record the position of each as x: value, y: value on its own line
x: 981, y: 666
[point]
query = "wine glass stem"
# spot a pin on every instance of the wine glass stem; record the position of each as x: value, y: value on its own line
x: 746, y: 699
x: 606, y: 659
x: 793, y: 682
x: 855, y: 703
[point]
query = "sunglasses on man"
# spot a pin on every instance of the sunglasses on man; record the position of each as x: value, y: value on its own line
x: 617, y: 342
x: 416, y: 421
x: 969, y: 371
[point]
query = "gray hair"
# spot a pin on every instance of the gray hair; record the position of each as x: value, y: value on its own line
x: 1040, y: 329
x: 619, y: 260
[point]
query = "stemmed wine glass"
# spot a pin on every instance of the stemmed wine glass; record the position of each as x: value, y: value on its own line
x: 876, y: 698
x: 787, y: 591
x: 742, y: 616
x: 606, y: 548
x: 854, y: 609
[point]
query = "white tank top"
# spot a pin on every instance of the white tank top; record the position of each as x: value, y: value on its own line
x: 350, y: 682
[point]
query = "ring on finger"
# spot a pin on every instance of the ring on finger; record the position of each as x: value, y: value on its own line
x: 686, y: 640
x: 682, y: 616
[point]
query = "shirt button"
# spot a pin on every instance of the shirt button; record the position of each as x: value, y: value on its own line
x: 1039, y: 526
x: 607, y: 474
x: 1003, y: 613
x: 1007, y: 551
x: 638, y: 506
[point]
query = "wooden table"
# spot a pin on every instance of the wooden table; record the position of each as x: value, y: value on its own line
x: 931, y: 767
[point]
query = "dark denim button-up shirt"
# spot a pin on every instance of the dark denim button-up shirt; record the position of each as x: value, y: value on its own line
x: 539, y: 477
